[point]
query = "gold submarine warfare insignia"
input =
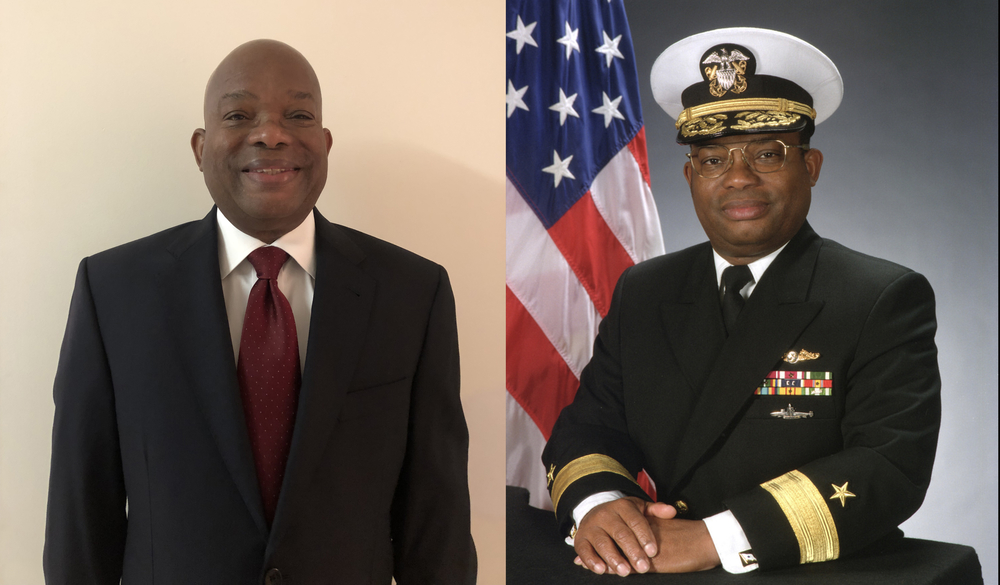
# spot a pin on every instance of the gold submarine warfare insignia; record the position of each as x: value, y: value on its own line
x: 803, y: 355
x: 728, y: 73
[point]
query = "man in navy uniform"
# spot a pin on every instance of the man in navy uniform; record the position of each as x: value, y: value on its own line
x: 781, y: 390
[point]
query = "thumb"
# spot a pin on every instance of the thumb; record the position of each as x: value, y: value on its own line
x: 660, y: 510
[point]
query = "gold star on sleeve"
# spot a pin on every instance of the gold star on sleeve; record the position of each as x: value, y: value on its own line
x: 841, y: 493
x: 551, y: 474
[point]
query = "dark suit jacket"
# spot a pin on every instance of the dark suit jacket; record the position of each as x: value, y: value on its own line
x: 668, y: 392
x: 148, y: 410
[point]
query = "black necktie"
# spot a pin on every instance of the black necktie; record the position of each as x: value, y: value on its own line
x: 734, y: 279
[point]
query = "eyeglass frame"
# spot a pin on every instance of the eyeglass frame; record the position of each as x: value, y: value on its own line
x: 743, y: 155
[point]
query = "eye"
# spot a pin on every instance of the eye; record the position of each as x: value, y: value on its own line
x: 766, y: 151
x: 710, y: 157
x: 301, y: 116
x: 235, y: 117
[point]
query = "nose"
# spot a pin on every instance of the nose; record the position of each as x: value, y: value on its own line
x: 740, y: 174
x: 269, y: 133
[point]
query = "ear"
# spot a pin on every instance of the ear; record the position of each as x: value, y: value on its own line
x: 198, y: 145
x: 814, y: 162
x: 688, y: 169
x: 329, y: 140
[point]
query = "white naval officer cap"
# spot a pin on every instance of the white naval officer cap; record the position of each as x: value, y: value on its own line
x: 743, y: 81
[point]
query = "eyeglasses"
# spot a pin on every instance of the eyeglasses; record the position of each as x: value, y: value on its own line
x: 763, y: 156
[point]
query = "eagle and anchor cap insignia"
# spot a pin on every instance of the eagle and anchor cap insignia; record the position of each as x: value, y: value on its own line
x: 725, y: 69
x: 745, y: 81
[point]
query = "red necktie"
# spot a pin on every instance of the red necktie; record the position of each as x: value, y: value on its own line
x: 268, y: 373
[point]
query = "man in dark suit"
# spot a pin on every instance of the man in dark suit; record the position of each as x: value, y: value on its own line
x: 781, y: 390
x: 261, y: 396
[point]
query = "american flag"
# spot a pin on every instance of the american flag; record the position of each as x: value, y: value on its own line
x: 579, y: 206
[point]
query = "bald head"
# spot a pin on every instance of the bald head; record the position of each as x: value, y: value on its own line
x: 254, y: 56
x: 263, y: 149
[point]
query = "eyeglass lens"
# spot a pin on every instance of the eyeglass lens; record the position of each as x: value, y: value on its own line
x: 765, y: 156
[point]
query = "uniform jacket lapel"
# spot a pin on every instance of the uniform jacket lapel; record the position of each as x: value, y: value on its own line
x: 206, y: 353
x: 773, y: 318
x: 693, y: 322
x: 340, y: 312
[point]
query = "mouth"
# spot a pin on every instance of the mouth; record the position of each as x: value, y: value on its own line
x: 271, y: 172
x: 745, y: 209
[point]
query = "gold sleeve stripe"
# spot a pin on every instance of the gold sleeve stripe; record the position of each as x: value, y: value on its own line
x: 808, y: 515
x: 582, y: 467
x: 753, y: 104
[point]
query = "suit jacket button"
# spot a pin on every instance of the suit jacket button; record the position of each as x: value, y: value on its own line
x: 681, y: 506
x: 272, y: 577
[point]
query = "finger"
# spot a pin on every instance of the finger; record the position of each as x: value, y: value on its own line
x: 622, y: 552
x: 589, y: 559
x: 661, y: 510
x: 606, y: 548
x: 639, y: 541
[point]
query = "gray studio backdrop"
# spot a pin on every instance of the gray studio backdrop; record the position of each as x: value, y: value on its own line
x: 910, y: 175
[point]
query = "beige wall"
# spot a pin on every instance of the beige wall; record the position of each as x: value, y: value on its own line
x: 97, y: 104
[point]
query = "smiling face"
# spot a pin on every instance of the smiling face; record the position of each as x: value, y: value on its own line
x: 747, y: 215
x: 263, y: 150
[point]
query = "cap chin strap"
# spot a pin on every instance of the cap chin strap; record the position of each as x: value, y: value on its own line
x: 744, y: 104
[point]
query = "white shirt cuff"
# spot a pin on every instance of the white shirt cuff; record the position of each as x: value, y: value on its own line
x: 731, y: 543
x: 588, y: 504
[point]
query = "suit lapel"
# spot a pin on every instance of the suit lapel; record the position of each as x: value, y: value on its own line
x: 205, y: 347
x: 341, y: 307
x: 773, y: 318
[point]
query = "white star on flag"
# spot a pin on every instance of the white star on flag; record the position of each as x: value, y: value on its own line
x: 514, y: 96
x: 570, y: 40
x: 567, y: 245
x: 522, y: 34
x: 610, y: 47
x: 565, y: 107
x: 559, y: 168
x: 609, y: 109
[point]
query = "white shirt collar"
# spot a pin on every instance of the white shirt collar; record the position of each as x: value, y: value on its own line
x: 235, y: 246
x: 757, y: 267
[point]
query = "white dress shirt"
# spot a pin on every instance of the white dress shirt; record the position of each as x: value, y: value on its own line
x: 727, y: 534
x: 296, y: 280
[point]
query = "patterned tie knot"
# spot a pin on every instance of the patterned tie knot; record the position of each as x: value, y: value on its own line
x: 736, y: 277
x: 267, y: 261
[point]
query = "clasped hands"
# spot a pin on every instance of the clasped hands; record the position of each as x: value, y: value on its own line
x: 630, y: 534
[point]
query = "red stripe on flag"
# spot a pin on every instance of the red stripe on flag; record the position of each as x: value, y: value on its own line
x: 638, y: 149
x: 593, y: 252
x: 537, y: 376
